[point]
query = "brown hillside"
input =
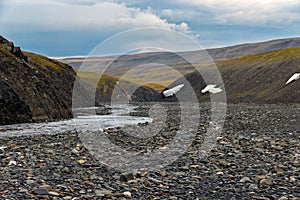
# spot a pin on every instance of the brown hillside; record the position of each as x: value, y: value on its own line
x: 257, y: 78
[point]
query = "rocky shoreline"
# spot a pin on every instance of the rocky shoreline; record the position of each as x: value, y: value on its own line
x: 257, y: 156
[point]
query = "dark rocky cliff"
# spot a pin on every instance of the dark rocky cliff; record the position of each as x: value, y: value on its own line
x: 33, y: 87
x: 13, y: 110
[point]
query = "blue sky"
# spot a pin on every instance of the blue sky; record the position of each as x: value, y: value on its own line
x: 75, y: 27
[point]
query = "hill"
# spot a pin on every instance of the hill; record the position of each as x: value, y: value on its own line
x: 118, y: 66
x: 258, y: 78
x: 33, y: 87
x: 157, y: 73
x: 253, y: 48
x: 106, y: 84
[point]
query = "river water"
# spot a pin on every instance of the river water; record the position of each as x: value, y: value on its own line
x: 85, y: 120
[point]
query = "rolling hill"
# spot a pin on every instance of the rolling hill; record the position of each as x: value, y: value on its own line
x: 258, y: 78
x: 253, y: 48
x: 158, y: 74
x: 105, y: 86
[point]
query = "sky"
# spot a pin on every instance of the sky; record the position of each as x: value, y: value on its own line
x: 75, y: 27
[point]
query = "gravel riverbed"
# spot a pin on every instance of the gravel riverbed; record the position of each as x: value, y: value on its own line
x: 257, y: 156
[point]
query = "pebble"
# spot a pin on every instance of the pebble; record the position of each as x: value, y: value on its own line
x: 68, y: 198
x: 75, y: 151
x: 95, y: 177
x: 283, y: 198
x: 245, y: 179
x: 45, y: 186
x: 127, y: 194
x: 3, y: 148
x: 41, y: 191
x: 266, y: 181
x: 102, y: 193
x: 12, y: 162
x: 81, y: 161
x: 23, y: 191
x: 259, y: 178
x: 126, y: 177
x: 82, y: 192
x: 293, y: 179
x: 30, y: 182
x: 53, y: 193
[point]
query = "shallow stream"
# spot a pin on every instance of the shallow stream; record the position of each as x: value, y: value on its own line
x: 84, y: 119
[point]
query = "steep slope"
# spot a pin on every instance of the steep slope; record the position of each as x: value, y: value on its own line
x: 35, y: 88
x: 38, y: 88
x: 258, y: 78
x: 262, y: 77
x: 13, y: 109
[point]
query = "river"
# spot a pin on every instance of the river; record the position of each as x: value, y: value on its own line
x: 85, y: 120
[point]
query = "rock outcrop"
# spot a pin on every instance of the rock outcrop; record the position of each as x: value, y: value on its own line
x: 13, y: 109
x: 33, y: 87
x: 12, y: 48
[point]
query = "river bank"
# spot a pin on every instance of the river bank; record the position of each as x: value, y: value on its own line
x: 257, y: 156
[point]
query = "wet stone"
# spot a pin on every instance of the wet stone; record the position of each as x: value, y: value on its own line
x: 41, y: 191
x: 126, y: 177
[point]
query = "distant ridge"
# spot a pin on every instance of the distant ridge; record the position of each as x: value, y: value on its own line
x: 253, y: 48
x: 216, y: 53
x: 163, y: 77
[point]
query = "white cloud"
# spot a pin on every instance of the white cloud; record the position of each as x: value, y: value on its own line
x: 78, y: 2
x: 254, y: 12
x: 93, y: 2
x: 60, y: 15
x: 167, y: 13
x: 183, y: 27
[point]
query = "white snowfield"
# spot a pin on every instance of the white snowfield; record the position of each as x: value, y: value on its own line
x: 211, y: 89
x: 172, y: 91
x: 296, y: 76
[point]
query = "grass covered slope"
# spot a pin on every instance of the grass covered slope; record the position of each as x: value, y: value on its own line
x: 262, y: 77
x: 105, y: 86
x: 45, y: 63
x: 258, y: 78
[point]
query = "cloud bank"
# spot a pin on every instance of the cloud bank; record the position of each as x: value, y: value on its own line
x: 254, y: 12
x: 85, y: 14
x: 76, y: 26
